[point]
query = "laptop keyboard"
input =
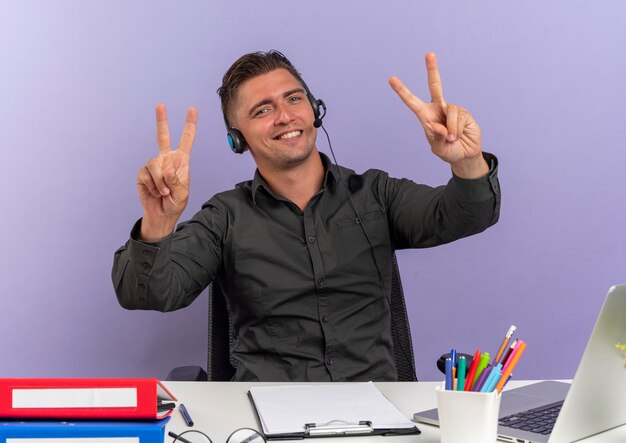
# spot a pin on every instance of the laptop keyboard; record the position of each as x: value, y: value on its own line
x: 539, y: 420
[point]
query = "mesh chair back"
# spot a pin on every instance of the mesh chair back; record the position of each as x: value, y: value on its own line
x: 221, y: 368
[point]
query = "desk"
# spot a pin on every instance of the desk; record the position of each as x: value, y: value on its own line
x: 219, y: 408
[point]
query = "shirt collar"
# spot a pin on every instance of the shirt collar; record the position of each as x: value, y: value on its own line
x: 330, y: 176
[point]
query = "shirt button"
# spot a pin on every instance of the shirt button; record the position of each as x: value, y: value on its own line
x: 311, y: 239
x: 147, y: 253
x: 325, y: 319
x: 330, y: 361
x: 357, y: 221
x: 146, y: 266
x: 320, y: 282
x: 141, y: 286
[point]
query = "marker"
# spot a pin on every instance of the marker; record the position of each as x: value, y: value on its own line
x: 178, y: 437
x: 482, y: 364
x: 492, y: 374
x: 494, y: 378
x: 472, y: 370
x: 448, y: 374
x: 460, y: 386
x: 482, y: 379
x: 505, y: 342
x: 185, y: 413
x: 453, y: 357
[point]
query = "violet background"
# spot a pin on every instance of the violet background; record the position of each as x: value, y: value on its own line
x: 78, y: 85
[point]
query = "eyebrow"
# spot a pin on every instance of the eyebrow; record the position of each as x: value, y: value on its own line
x: 266, y: 101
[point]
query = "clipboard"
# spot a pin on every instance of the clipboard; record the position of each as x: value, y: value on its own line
x: 311, y: 411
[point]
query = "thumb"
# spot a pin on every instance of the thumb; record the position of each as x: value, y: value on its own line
x: 174, y: 183
x: 440, y: 132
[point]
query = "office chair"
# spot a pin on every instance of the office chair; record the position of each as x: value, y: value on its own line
x: 220, y: 367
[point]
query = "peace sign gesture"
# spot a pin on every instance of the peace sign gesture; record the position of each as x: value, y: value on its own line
x: 163, y: 182
x: 453, y: 134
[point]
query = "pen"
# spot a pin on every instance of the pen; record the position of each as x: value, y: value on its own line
x: 490, y: 383
x: 481, y: 380
x: 448, y: 374
x: 462, y: 366
x: 469, y: 381
x: 482, y: 364
x: 186, y: 416
x: 505, y: 342
x: 508, y: 353
x: 453, y: 357
x: 178, y: 437
x: 510, y: 366
x: 518, y: 345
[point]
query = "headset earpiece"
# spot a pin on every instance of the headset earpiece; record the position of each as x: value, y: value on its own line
x: 235, y: 138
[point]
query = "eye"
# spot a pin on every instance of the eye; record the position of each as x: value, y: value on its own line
x: 295, y: 99
x: 261, y: 111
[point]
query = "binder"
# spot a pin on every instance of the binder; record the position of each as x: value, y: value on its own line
x: 83, y: 431
x: 339, y: 409
x: 107, y: 398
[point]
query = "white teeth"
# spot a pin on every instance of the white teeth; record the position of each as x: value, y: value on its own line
x: 291, y: 134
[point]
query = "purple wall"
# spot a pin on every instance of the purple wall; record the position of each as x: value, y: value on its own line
x: 78, y: 85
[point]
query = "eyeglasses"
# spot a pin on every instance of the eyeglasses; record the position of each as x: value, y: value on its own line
x: 243, y: 435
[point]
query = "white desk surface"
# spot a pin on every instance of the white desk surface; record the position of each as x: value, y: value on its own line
x: 219, y: 408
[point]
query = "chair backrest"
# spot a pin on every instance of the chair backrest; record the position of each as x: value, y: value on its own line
x: 220, y: 367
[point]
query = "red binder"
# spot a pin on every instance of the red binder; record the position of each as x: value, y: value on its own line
x: 106, y: 398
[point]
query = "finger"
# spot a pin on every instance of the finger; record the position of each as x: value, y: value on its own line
x: 163, y: 132
x: 144, y: 178
x: 154, y: 168
x: 189, y: 132
x: 414, y: 103
x: 434, y: 80
x: 440, y: 132
x: 452, y: 117
x: 463, y: 118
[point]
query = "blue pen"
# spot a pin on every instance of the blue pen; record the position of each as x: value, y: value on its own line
x: 495, y: 381
x: 453, y: 357
x: 186, y: 416
x: 449, y: 384
x: 492, y: 374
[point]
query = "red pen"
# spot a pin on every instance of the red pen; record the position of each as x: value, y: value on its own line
x: 469, y: 380
x: 512, y: 360
x: 508, y: 353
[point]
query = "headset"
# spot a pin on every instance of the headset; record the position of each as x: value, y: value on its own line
x: 238, y: 143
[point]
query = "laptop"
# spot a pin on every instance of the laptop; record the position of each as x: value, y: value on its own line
x: 594, y: 402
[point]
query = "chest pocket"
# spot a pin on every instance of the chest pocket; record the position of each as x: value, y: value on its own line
x: 355, y: 221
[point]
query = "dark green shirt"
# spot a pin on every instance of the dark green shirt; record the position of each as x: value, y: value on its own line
x: 302, y: 286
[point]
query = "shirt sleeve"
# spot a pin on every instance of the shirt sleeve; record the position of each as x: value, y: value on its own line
x: 170, y: 274
x: 421, y: 216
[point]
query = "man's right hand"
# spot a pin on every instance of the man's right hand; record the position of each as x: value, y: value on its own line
x: 163, y: 182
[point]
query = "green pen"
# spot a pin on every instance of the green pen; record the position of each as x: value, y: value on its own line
x: 482, y: 364
x: 461, y: 369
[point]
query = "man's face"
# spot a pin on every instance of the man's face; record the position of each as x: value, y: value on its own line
x: 275, y: 117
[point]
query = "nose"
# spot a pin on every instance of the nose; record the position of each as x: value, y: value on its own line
x: 283, y: 115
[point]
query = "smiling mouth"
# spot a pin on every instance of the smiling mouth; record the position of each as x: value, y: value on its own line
x: 289, y: 135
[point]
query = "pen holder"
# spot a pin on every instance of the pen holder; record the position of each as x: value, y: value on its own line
x: 468, y: 417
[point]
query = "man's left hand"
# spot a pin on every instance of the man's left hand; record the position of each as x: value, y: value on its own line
x: 453, y: 134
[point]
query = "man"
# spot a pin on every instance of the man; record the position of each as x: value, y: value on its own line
x: 304, y: 260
